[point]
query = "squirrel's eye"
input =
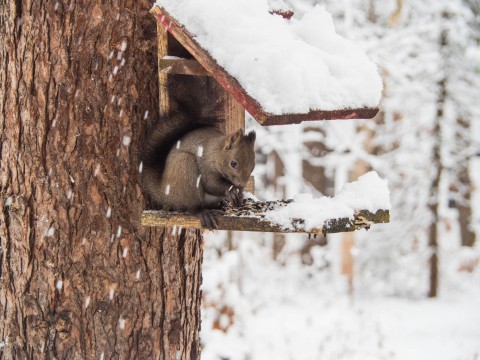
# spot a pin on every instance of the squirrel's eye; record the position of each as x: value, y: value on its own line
x: 234, y: 164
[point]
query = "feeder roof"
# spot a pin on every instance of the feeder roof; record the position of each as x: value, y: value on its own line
x: 282, y: 71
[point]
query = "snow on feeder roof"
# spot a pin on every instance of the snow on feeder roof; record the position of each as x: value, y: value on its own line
x: 282, y: 71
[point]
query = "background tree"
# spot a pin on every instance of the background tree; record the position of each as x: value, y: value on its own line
x: 462, y: 35
x: 79, y: 277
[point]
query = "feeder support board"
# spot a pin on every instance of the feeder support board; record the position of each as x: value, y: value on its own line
x: 251, y: 217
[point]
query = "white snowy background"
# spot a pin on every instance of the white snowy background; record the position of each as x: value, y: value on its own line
x: 271, y: 297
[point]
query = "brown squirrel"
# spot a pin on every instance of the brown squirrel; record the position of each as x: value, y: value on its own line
x: 188, y: 164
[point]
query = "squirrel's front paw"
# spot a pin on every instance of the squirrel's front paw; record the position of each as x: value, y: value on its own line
x: 234, y: 195
x: 207, y: 218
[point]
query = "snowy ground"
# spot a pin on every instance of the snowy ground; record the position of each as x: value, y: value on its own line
x: 291, y: 311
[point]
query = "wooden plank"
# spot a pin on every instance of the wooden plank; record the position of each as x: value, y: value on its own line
x: 163, y: 82
x: 235, y: 119
x: 182, y: 67
x: 345, y: 114
x: 230, y: 84
x: 250, y: 187
x: 234, y: 113
x: 363, y: 219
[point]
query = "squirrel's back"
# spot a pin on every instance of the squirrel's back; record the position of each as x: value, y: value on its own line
x: 162, y: 137
x: 188, y: 164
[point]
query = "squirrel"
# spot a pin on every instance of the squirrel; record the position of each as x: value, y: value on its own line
x: 190, y: 165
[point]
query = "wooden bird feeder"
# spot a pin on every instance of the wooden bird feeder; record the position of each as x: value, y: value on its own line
x: 186, y: 69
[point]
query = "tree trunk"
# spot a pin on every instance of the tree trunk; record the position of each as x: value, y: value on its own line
x: 468, y: 236
x: 462, y: 185
x: 437, y: 173
x: 79, y: 277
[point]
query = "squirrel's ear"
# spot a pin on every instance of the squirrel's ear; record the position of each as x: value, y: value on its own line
x: 232, y: 139
x: 252, y: 136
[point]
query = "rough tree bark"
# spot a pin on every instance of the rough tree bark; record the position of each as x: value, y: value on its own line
x: 79, y: 277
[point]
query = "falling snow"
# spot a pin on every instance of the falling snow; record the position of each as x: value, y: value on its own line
x: 126, y: 140
x: 121, y: 323
x: 59, y: 285
x: 50, y: 232
x: 224, y: 321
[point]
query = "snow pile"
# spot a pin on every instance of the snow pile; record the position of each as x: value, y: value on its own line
x: 369, y: 192
x: 288, y: 66
x: 283, y: 309
x: 315, y: 212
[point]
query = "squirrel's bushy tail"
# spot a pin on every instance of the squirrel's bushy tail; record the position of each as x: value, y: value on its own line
x: 167, y: 131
